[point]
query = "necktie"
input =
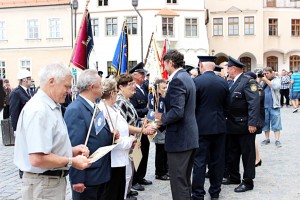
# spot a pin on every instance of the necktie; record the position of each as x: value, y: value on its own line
x: 28, y: 92
x: 231, y: 83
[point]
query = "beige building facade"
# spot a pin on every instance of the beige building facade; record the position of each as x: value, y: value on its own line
x: 33, y: 33
x: 258, y: 33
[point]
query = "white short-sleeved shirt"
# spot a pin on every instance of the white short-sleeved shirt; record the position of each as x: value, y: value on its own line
x: 40, y: 129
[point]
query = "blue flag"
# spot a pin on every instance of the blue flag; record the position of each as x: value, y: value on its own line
x: 99, y: 122
x: 120, y: 60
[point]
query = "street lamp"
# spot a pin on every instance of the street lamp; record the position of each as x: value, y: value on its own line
x: 213, y: 52
x: 135, y: 4
x: 75, y: 7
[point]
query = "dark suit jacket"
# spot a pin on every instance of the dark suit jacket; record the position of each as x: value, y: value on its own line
x: 140, y: 102
x: 182, y: 130
x: 17, y: 100
x: 212, y: 98
x: 244, y: 109
x: 78, y: 117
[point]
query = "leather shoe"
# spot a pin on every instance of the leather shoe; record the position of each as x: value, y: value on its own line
x: 214, y: 198
x: 243, y: 188
x: 145, y: 182
x: 138, y: 187
x: 164, y: 177
x: 228, y: 181
x: 133, y: 193
x: 129, y: 197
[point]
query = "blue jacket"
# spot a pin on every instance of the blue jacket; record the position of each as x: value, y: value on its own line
x: 78, y: 117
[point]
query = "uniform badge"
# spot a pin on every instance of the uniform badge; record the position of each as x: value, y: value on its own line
x: 253, y: 87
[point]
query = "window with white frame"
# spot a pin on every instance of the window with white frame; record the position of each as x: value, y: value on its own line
x: 132, y: 25
x: 249, y: 25
x: 54, y: 28
x: 171, y: 1
x: 2, y: 30
x: 168, y: 26
x: 32, y: 29
x: 218, y: 26
x: 25, y: 64
x: 233, y: 26
x: 2, y: 69
x: 95, y: 26
x: 111, y: 26
x: 191, y: 27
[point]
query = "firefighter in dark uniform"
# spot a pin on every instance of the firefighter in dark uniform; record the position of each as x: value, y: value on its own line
x: 243, y: 121
x: 140, y: 102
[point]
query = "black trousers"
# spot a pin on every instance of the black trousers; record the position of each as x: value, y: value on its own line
x: 284, y: 93
x: 180, y: 170
x: 161, y: 164
x: 6, y: 112
x: 242, y: 145
x: 139, y: 175
x: 115, y: 188
x: 90, y: 193
x: 214, y: 146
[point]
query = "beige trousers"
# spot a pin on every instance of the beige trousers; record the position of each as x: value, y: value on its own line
x: 38, y: 187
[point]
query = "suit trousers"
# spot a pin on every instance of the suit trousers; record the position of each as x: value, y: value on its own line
x: 213, y: 145
x: 180, y: 170
x: 139, y: 175
x: 6, y: 112
x: 36, y: 186
x: 242, y: 145
x: 90, y: 193
x: 161, y: 166
x: 285, y: 93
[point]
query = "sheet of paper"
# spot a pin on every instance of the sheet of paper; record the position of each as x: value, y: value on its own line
x: 100, y: 152
x: 137, y: 155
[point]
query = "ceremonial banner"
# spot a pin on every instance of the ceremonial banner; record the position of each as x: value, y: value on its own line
x: 166, y: 47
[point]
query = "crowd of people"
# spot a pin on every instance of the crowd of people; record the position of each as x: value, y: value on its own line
x: 201, y: 120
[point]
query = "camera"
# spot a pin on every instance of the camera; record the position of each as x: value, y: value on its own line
x: 259, y: 72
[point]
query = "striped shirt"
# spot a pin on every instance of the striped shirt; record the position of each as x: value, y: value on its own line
x: 285, y: 82
x: 296, y: 85
x: 127, y: 110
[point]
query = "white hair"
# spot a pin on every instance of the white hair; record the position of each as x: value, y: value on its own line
x: 58, y: 71
x: 87, y: 77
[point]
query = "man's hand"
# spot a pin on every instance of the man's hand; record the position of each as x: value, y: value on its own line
x: 252, y: 129
x: 133, y: 139
x: 158, y: 116
x: 78, y: 187
x: 81, y: 150
x: 264, y: 79
x: 80, y: 162
x: 149, y: 129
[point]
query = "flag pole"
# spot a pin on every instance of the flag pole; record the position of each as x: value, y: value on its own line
x: 77, y: 35
x: 90, y: 127
x: 148, y: 48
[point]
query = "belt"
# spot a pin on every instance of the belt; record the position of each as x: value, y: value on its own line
x: 61, y: 173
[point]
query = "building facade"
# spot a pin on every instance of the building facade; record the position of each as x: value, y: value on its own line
x: 258, y: 33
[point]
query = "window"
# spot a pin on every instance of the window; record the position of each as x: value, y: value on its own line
x: 296, y: 27
x: 273, y: 27
x: 32, y: 29
x: 25, y: 64
x: 191, y: 27
x: 2, y: 69
x: 218, y: 26
x: 247, y: 62
x: 168, y: 26
x: 2, y: 30
x: 54, y: 28
x: 131, y: 64
x: 271, y: 3
x: 171, y: 1
x: 95, y: 27
x: 294, y: 63
x: 102, y: 2
x: 131, y: 25
x: 111, y: 26
x: 272, y: 61
x: 233, y: 26
x: 249, y: 25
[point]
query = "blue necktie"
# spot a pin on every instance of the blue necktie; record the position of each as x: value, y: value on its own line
x: 231, y: 83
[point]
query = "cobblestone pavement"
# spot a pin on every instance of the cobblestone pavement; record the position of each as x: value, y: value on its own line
x: 277, y: 179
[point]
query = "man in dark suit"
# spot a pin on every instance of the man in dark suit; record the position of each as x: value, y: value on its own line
x: 243, y: 121
x: 19, y: 96
x: 212, y: 98
x: 181, y: 139
x: 89, y: 183
x: 140, y: 102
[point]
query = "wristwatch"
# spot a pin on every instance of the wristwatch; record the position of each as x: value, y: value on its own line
x: 69, y: 162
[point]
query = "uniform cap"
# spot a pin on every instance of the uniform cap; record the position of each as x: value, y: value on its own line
x: 207, y: 58
x: 138, y: 68
x: 218, y: 68
x: 234, y: 62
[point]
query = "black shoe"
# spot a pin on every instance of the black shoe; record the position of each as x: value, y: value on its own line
x: 129, y: 197
x: 145, y: 182
x: 164, y: 177
x: 228, y: 181
x: 258, y: 164
x: 133, y: 193
x: 214, y: 198
x: 138, y: 187
x: 243, y: 188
